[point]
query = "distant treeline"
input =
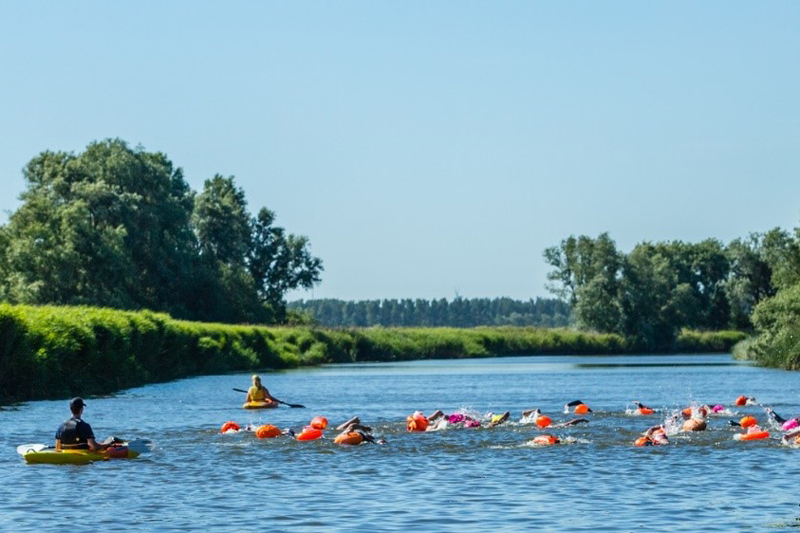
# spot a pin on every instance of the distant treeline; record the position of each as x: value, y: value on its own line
x: 458, y: 313
x: 659, y: 289
x: 120, y: 227
x: 58, y: 352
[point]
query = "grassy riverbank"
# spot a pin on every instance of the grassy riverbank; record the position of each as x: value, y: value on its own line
x: 57, y: 352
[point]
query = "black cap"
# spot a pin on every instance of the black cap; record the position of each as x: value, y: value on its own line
x: 76, y: 403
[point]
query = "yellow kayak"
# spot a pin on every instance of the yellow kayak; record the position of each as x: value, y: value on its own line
x: 75, y: 457
x: 260, y: 405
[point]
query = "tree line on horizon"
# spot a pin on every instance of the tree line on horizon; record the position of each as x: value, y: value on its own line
x: 459, y: 312
x: 651, y: 293
x: 120, y: 227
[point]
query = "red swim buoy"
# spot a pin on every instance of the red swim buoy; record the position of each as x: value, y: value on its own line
x: 319, y: 422
x: 643, y: 441
x: 740, y: 401
x: 309, y: 433
x: 543, y: 421
x: 546, y: 440
x: 417, y: 422
x: 582, y: 409
x: 267, y: 431
x: 646, y: 411
x: 229, y: 426
x: 753, y: 435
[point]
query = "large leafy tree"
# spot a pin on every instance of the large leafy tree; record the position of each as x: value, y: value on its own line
x: 651, y: 293
x: 118, y: 226
x: 586, y: 273
x: 109, y: 226
x: 279, y: 262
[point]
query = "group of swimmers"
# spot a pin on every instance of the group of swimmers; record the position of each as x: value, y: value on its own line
x: 690, y: 419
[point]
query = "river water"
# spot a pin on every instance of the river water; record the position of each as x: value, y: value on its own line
x: 480, y: 479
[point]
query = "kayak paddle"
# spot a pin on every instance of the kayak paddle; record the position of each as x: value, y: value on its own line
x: 292, y: 405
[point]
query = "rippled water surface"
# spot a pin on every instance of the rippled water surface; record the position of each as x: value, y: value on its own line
x: 480, y: 479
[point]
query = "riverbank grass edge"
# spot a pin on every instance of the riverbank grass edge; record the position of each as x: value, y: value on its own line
x: 50, y: 352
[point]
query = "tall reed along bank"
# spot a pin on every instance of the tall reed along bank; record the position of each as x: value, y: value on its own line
x: 56, y: 352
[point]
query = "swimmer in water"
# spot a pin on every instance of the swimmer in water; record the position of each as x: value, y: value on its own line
x: 642, y: 409
x: 741, y: 401
x: 700, y: 411
x: 580, y: 407
x: 786, y: 425
x: 535, y: 415
x: 658, y: 434
x: 695, y: 424
x: 654, y: 436
x: 793, y: 437
x: 353, y: 432
x: 545, y: 440
x: 499, y: 419
x: 438, y: 420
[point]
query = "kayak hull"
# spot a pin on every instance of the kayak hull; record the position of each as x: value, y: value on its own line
x: 260, y: 405
x: 52, y: 456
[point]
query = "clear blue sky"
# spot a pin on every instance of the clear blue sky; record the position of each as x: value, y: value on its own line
x: 431, y: 147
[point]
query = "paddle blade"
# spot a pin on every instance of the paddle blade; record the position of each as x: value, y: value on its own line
x: 141, y: 445
x: 296, y: 406
x: 25, y: 448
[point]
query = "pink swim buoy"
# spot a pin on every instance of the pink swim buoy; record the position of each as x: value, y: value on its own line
x: 790, y: 424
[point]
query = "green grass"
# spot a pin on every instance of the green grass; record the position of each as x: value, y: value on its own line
x: 58, y: 352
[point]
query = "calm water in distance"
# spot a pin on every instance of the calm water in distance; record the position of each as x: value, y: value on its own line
x: 457, y: 479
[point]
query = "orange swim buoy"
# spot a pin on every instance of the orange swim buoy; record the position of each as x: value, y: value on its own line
x: 229, y: 426
x: 267, y: 431
x: 309, y: 433
x: 351, y: 438
x: 687, y: 413
x: 643, y: 441
x: 645, y: 411
x: 740, y: 401
x: 748, y: 421
x: 546, y: 440
x: 417, y: 422
x: 543, y: 421
x: 582, y: 409
x: 754, y: 435
x: 319, y: 422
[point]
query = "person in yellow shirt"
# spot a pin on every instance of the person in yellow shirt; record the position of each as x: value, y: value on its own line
x: 259, y: 393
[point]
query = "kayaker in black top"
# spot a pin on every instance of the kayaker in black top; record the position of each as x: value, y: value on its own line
x: 75, y: 434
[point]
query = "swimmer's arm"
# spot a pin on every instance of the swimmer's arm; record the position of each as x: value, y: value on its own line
x: 572, y: 422
x: 775, y: 416
x: 792, y: 434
